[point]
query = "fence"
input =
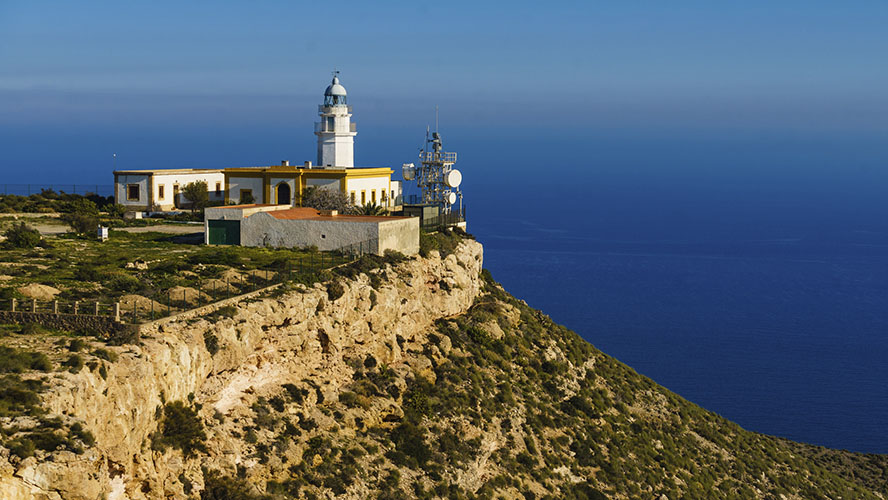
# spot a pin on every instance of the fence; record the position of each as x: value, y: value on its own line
x: 453, y: 218
x: 135, y: 309
x: 29, y: 189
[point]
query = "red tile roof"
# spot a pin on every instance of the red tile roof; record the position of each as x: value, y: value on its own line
x: 304, y: 213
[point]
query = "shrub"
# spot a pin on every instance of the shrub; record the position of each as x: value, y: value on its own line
x: 82, y: 215
x: 211, y: 342
x: 74, y: 363
x: 22, y: 236
x: 181, y: 428
x: 16, y: 361
x: 335, y: 290
x: 218, y: 487
x: 105, y: 354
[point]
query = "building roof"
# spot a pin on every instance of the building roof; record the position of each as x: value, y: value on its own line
x: 305, y: 213
x: 335, y: 88
x: 165, y: 171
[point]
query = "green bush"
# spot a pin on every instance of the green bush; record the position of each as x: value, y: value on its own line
x: 74, y: 363
x: 335, y: 290
x: 16, y: 361
x: 22, y: 236
x: 180, y: 428
x: 211, y: 342
x: 82, y: 215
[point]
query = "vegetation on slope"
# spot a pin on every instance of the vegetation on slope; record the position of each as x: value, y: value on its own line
x: 514, y: 406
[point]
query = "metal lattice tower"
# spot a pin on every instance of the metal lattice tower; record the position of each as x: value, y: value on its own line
x: 436, y: 177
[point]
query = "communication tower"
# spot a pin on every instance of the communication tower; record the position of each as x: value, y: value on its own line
x: 436, y: 177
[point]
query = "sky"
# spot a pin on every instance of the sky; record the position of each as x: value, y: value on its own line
x: 642, y: 89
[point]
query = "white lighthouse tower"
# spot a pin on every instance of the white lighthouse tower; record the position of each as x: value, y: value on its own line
x: 336, y: 133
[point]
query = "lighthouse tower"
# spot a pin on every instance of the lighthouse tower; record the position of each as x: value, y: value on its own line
x: 336, y: 133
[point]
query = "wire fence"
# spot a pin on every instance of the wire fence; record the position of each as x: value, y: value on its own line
x: 84, y: 189
x: 137, y: 309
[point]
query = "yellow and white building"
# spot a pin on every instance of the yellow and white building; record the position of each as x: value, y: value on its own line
x: 277, y: 184
x: 161, y: 189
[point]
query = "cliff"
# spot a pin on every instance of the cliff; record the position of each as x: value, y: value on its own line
x: 421, y: 378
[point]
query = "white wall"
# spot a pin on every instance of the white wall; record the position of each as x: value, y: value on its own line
x: 120, y: 190
x: 275, y: 181
x: 367, y: 184
x: 183, y: 179
x: 235, y: 184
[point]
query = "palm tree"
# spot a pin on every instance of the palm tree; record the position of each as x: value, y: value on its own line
x: 372, y: 209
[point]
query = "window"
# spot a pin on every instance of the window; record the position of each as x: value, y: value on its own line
x: 373, y: 197
x: 353, y: 197
x: 363, y: 197
x: 160, y: 192
x: 382, y: 193
x: 132, y: 192
x: 329, y: 124
x: 218, y: 188
x: 246, y: 196
x: 393, y: 195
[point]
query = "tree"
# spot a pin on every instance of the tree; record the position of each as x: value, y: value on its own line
x: 327, y: 199
x: 82, y: 216
x: 22, y: 235
x: 197, y: 193
x: 372, y: 209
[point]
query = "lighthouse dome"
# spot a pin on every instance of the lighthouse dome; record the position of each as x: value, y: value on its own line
x: 335, y: 89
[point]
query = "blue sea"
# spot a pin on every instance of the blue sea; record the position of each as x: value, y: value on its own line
x: 768, y: 306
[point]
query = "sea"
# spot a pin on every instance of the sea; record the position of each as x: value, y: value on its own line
x: 767, y: 304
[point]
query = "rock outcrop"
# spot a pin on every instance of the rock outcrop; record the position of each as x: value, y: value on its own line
x: 300, y: 334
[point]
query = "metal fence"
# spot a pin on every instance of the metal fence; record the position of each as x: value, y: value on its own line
x: 29, y: 189
x: 442, y: 220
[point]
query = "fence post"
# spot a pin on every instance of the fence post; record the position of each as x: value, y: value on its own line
x: 117, y: 312
x: 55, y: 306
x: 33, y: 305
x: 169, y: 300
x: 13, y: 305
x: 134, y: 310
x: 76, y: 306
x: 184, y: 301
x: 227, y: 288
x: 97, y: 309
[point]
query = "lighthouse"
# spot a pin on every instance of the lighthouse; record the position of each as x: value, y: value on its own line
x: 336, y: 132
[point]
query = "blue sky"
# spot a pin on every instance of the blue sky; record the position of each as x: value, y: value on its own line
x: 614, y: 85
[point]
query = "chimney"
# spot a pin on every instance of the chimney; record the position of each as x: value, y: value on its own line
x: 308, y: 164
x: 285, y: 163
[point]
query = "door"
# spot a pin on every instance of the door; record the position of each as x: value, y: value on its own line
x: 283, y: 194
x: 224, y: 232
x: 175, y: 196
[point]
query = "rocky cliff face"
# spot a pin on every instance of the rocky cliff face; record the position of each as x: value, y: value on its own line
x: 304, y: 338
x: 422, y: 379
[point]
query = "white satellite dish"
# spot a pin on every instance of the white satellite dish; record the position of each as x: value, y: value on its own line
x: 453, y: 178
x: 451, y: 196
x: 408, y: 170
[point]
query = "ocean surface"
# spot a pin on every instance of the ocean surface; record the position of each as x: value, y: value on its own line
x: 769, y: 309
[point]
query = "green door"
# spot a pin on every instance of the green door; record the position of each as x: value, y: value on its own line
x: 224, y: 232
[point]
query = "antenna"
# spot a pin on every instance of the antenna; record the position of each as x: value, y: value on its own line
x: 436, y: 118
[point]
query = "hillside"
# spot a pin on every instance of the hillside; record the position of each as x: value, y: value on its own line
x: 398, y: 378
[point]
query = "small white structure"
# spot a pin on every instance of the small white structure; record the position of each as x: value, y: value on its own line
x: 336, y: 133
x: 282, y: 226
x: 140, y: 190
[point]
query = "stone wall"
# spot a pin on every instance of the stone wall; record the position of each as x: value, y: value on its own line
x: 103, y: 325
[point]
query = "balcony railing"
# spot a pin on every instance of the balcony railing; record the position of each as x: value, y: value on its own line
x: 432, y: 157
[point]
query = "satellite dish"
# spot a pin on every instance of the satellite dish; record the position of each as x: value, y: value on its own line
x: 408, y: 170
x: 451, y: 196
x: 453, y: 178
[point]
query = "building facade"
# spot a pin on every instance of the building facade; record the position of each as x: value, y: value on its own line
x: 280, y: 226
x: 161, y: 190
